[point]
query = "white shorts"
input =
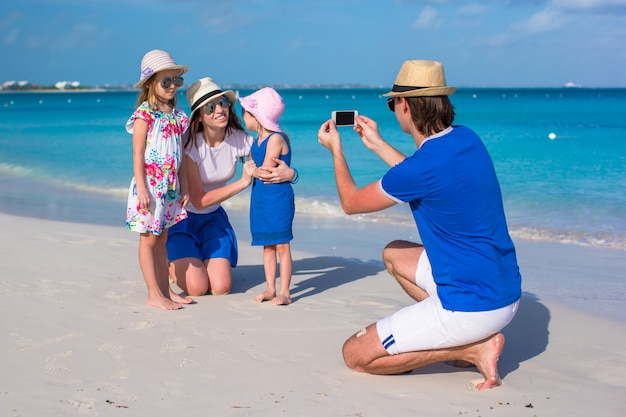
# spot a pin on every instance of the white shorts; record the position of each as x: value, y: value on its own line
x: 427, y: 325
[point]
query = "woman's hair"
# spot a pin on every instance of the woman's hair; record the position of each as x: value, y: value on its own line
x: 195, y: 125
x: 148, y: 93
x: 431, y: 114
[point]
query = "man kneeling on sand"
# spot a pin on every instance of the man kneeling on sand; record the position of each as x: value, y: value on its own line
x: 465, y: 276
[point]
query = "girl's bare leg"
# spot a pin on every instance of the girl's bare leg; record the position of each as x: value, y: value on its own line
x: 286, y: 265
x: 150, y: 258
x: 162, y: 268
x: 269, y: 265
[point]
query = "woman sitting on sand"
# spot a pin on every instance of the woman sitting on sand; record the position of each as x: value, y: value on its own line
x: 203, y: 249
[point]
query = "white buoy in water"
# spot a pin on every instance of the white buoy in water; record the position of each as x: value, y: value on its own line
x: 552, y: 136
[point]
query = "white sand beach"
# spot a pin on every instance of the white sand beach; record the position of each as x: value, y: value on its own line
x: 78, y: 339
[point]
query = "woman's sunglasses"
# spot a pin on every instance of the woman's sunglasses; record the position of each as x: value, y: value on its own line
x: 166, y: 82
x: 210, y: 107
x: 391, y: 104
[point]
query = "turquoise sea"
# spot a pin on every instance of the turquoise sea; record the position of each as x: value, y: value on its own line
x: 560, y: 155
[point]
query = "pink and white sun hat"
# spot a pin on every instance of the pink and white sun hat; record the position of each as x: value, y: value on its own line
x: 266, y: 105
x: 155, y: 61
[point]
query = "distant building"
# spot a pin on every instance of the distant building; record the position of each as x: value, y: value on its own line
x: 16, y: 85
x: 62, y: 85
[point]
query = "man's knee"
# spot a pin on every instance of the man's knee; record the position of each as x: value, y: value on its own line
x: 388, y: 255
x: 356, y: 349
x: 350, y: 357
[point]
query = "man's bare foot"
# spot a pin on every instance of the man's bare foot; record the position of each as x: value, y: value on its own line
x: 180, y: 299
x: 489, y: 352
x: 163, y: 303
x: 281, y: 300
x: 265, y: 296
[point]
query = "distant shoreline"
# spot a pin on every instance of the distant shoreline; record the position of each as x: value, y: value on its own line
x: 293, y: 87
x: 55, y: 90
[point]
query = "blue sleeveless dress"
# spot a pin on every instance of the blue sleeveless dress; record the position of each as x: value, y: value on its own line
x: 272, y: 206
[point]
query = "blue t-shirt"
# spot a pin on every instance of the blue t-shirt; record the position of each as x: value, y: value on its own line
x: 454, y: 194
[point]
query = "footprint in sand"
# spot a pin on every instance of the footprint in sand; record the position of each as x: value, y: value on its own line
x: 144, y: 324
x: 24, y: 342
x: 115, y: 350
x: 112, y: 295
x: 54, y: 364
x: 83, y: 407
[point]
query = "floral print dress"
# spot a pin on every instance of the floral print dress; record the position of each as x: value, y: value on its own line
x: 163, y: 157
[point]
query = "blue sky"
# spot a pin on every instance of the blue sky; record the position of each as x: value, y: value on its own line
x: 490, y: 43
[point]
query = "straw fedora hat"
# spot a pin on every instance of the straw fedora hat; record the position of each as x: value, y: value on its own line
x: 420, y: 78
x: 155, y: 61
x: 266, y: 105
x: 203, y: 91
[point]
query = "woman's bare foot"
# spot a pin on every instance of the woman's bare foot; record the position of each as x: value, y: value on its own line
x: 265, y: 296
x: 180, y: 299
x: 282, y: 300
x: 163, y: 303
x: 487, y: 356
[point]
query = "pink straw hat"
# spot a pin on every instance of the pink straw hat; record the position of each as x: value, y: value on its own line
x: 155, y: 61
x: 266, y: 105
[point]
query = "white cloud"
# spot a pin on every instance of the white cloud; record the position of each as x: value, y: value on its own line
x: 299, y: 44
x: 588, y: 4
x: 541, y: 22
x: 8, y: 20
x: 472, y: 10
x: 428, y: 18
x: 599, y: 20
x: 11, y: 37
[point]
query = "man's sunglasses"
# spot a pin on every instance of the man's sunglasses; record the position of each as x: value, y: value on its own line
x: 210, y: 107
x: 166, y: 82
x: 391, y: 104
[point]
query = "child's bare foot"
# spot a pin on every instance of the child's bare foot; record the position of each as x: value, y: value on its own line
x: 265, y: 296
x: 163, y: 303
x: 281, y: 300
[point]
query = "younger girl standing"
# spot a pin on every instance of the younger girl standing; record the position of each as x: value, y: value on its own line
x: 272, y: 206
x: 154, y: 199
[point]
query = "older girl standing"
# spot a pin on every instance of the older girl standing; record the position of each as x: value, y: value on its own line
x: 154, y: 199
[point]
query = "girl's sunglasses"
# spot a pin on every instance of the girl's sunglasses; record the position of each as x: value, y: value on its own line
x: 210, y: 107
x: 166, y: 82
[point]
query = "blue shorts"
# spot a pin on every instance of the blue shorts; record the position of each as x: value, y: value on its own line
x: 203, y: 236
